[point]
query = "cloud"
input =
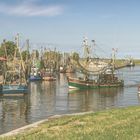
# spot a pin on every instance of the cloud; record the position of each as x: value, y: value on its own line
x: 30, y: 9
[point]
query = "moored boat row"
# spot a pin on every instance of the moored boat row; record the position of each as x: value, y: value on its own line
x: 18, y: 73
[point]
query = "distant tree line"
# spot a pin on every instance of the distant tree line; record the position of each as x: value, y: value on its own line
x: 8, y: 48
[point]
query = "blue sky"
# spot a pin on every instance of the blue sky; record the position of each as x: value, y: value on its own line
x: 63, y: 23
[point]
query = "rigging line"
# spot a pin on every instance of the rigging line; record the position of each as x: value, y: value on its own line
x: 106, y: 45
x: 97, y: 56
x: 103, y: 50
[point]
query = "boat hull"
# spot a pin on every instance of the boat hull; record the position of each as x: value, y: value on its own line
x: 35, y: 78
x: 13, y: 89
x: 82, y: 84
x: 49, y: 78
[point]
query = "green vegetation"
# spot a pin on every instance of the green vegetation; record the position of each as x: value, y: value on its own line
x: 120, y: 124
x: 25, y: 55
x: 119, y: 62
x: 7, y: 49
x: 75, y: 56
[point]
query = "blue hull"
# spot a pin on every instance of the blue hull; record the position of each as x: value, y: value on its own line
x: 35, y: 78
x: 13, y: 89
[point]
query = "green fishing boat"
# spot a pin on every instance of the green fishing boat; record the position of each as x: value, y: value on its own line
x: 104, y: 80
x: 99, y: 76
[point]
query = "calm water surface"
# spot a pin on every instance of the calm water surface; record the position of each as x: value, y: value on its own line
x: 50, y: 98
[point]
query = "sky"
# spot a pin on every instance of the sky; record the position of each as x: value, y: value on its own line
x: 62, y: 24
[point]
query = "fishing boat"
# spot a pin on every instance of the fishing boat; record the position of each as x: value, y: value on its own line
x: 66, y: 64
x: 62, y: 69
x: 14, y: 89
x: 14, y: 74
x: 129, y: 62
x: 2, y: 61
x: 67, y: 69
x: 35, y: 74
x: 99, y: 77
x: 48, y: 77
x: 48, y: 72
x: 35, y: 78
x: 102, y: 80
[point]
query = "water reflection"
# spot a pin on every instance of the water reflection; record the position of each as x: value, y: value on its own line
x: 49, y: 98
x: 42, y: 100
x: 13, y: 111
x: 98, y: 99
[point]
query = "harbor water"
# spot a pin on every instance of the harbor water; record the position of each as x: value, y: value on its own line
x: 50, y: 98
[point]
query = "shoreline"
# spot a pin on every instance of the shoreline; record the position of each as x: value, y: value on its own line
x: 36, y: 124
x: 115, y: 123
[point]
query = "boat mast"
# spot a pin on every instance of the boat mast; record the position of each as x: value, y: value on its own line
x: 21, y: 59
x: 27, y: 47
x: 27, y: 61
x: 6, y: 56
x: 4, y: 43
x: 86, y: 48
x: 114, y: 57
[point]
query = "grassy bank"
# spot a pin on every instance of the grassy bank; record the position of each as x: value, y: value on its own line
x: 121, y: 61
x: 137, y: 61
x: 123, y: 124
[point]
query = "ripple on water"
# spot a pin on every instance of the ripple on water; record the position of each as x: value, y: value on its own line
x: 50, y: 98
